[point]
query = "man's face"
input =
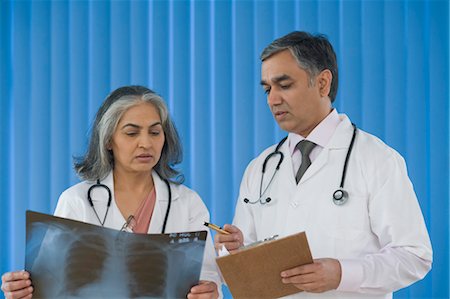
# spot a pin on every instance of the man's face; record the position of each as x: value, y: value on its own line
x: 297, y: 104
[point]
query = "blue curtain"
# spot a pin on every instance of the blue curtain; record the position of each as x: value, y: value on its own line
x: 58, y: 61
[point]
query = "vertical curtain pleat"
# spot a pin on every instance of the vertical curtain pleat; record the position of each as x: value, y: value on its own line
x: 119, y: 29
x: 436, y: 202
x: 5, y: 118
x: 39, y: 103
x: 78, y: 69
x: 20, y: 146
x: 159, y: 68
x: 107, y: 58
x: 139, y: 42
x: 242, y: 124
x: 221, y: 111
x: 200, y: 100
x: 264, y: 129
x: 350, y: 90
x: 59, y: 151
x: 59, y: 60
x: 373, y: 72
x: 180, y: 79
x: 395, y: 57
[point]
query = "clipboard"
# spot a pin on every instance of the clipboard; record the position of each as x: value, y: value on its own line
x: 254, y: 272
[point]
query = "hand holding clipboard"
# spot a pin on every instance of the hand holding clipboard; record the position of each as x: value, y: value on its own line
x: 254, y: 272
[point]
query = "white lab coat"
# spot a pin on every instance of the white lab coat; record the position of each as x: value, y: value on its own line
x: 379, y: 235
x: 187, y: 213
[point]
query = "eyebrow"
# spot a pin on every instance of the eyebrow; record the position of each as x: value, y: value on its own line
x: 139, y: 127
x: 277, y: 79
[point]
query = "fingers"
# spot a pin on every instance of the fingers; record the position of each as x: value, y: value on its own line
x: 17, y: 285
x: 16, y: 275
x: 232, y: 241
x: 23, y: 293
x: 231, y: 228
x: 204, y: 287
x: 300, y: 270
x: 320, y: 276
x: 204, y: 290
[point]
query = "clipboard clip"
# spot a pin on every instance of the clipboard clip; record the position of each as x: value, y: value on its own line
x: 271, y: 238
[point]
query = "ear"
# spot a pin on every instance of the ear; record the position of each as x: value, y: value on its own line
x: 324, y: 80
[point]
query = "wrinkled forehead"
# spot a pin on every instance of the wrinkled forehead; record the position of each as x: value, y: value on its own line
x: 280, y: 66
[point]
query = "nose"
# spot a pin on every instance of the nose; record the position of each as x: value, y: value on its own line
x: 273, y: 98
x: 145, y: 141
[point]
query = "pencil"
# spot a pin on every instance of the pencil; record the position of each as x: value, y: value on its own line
x: 216, y: 228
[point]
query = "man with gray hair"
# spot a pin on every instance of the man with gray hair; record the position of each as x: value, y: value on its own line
x: 345, y: 188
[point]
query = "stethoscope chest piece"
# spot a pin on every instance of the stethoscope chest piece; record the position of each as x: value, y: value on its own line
x: 340, y: 196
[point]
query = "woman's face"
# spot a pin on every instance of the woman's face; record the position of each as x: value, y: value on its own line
x: 138, y: 140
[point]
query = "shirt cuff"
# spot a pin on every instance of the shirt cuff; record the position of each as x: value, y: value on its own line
x: 352, y: 275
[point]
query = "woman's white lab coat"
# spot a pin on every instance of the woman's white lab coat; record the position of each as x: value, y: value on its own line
x: 187, y: 213
x: 378, y: 235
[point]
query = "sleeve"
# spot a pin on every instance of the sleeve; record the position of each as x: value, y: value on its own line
x: 200, y: 214
x: 397, y: 221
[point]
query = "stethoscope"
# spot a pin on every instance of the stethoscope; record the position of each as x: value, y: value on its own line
x: 340, y: 196
x: 100, y: 185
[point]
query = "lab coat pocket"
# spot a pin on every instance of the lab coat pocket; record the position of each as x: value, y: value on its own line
x: 345, y: 222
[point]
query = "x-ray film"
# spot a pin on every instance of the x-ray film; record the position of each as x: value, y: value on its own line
x: 72, y: 259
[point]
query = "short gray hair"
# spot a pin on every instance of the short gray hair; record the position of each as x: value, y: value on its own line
x: 313, y: 53
x: 99, y: 161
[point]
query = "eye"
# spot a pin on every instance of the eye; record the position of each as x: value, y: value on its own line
x: 131, y: 133
x: 285, y: 86
x: 155, y: 132
x: 266, y: 90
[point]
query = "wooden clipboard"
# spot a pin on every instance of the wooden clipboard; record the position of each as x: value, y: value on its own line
x: 254, y: 272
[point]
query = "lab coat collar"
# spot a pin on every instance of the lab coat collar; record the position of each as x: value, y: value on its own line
x: 162, y: 194
x: 343, y: 134
x: 108, y: 180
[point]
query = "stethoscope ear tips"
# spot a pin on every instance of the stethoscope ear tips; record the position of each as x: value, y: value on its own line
x: 340, y: 196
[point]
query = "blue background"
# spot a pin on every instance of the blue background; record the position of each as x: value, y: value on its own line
x: 58, y: 61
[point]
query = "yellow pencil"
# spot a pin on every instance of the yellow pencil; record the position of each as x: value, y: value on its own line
x: 216, y: 228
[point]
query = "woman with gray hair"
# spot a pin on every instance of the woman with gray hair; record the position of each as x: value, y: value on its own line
x: 130, y: 182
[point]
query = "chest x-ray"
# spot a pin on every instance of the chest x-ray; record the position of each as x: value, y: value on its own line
x: 71, y: 259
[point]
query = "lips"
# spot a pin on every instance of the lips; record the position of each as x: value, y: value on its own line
x: 279, y: 114
x: 144, y: 157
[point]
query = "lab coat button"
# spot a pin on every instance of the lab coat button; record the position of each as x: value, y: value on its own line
x: 294, y: 204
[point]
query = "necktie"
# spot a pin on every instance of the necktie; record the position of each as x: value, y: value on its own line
x: 305, y: 147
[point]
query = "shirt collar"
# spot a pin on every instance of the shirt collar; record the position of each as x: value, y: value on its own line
x: 320, y: 135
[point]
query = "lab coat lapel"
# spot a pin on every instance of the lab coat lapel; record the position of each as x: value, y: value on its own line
x: 162, y: 200
x: 284, y: 179
x: 286, y: 170
x: 340, y: 140
x: 115, y: 218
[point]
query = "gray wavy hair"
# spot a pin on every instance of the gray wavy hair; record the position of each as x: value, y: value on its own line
x: 98, y: 161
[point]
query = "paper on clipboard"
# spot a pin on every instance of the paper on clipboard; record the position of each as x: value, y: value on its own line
x: 255, y: 272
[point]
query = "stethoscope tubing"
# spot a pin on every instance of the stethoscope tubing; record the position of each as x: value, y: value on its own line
x: 337, y: 200
x: 100, y: 185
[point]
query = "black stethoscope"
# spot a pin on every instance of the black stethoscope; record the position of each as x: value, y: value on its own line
x: 99, y: 185
x: 340, y: 196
